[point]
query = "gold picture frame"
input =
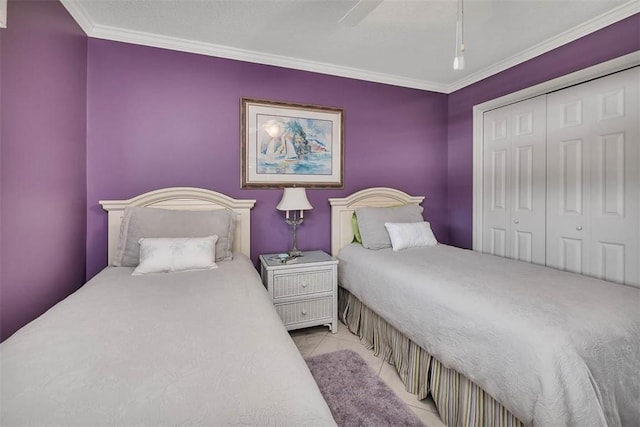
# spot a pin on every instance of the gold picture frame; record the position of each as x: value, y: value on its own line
x: 285, y: 145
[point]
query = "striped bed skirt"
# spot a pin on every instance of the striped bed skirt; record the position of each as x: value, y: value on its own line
x: 460, y: 402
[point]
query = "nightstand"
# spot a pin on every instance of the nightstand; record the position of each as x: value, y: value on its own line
x: 305, y: 293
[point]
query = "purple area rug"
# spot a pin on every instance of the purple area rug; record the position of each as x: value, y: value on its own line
x: 355, y: 394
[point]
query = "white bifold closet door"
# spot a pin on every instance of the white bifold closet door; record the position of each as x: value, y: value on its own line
x: 514, y: 181
x: 593, y: 178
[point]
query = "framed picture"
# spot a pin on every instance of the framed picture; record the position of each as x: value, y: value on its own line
x: 291, y: 144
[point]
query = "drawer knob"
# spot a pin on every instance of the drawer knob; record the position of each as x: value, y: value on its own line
x: 579, y: 228
x: 304, y: 284
x: 304, y: 312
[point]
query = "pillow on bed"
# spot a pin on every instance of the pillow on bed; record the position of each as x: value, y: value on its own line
x: 410, y: 235
x: 166, y: 255
x: 371, y: 223
x: 139, y: 222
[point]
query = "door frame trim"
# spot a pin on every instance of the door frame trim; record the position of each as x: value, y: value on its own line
x: 581, y: 76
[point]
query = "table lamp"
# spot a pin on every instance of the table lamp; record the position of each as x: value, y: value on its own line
x: 294, y: 199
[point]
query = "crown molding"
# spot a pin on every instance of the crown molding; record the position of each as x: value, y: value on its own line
x: 78, y: 13
x: 614, y: 15
x: 93, y: 30
x: 190, y: 46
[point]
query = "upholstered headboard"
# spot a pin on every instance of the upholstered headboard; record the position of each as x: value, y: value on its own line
x: 342, y: 210
x: 183, y: 198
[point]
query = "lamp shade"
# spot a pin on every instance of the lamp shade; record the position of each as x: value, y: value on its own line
x: 294, y: 199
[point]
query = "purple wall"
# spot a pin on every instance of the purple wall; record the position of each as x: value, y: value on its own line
x: 160, y: 118
x: 616, y: 40
x: 115, y: 120
x: 43, y: 105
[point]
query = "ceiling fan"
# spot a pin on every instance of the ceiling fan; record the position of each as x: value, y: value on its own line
x: 358, y: 12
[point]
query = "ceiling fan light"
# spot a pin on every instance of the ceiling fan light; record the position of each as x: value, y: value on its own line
x: 458, y: 62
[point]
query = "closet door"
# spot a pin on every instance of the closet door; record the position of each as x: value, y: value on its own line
x: 593, y: 178
x: 514, y: 181
x: 496, y: 201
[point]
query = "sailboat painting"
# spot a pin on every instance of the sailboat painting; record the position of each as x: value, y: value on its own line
x: 290, y: 144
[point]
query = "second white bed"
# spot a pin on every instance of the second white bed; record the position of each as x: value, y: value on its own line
x: 553, y: 347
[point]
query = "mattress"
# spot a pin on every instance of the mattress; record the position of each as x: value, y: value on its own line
x: 554, y: 348
x: 190, y: 348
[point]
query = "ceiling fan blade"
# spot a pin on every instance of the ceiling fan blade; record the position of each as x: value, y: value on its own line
x: 357, y: 13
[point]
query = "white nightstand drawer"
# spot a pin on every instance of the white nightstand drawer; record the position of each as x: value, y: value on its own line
x: 286, y: 285
x: 304, y: 311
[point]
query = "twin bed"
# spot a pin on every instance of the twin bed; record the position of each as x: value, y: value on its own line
x: 185, y: 348
x: 495, y: 341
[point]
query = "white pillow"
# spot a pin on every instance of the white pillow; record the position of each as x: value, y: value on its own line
x: 371, y: 222
x: 164, y: 254
x: 410, y: 235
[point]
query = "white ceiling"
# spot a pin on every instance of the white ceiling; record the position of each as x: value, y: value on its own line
x: 401, y: 42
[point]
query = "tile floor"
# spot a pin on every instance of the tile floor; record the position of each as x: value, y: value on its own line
x: 318, y: 340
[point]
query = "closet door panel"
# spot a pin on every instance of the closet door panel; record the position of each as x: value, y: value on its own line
x: 497, y: 201
x: 615, y: 178
x: 567, y: 180
x: 571, y: 254
x: 514, y: 181
x: 528, y: 148
x: 570, y: 174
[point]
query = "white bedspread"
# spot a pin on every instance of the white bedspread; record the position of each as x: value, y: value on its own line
x: 196, y: 348
x: 556, y: 349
